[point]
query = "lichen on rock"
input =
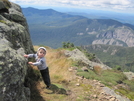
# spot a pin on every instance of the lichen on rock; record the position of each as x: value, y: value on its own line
x: 14, y: 43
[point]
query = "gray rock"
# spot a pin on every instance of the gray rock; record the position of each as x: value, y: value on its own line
x: 129, y: 75
x: 77, y: 55
x: 121, y: 36
x: 2, y: 6
x: 109, y: 91
x: 14, y: 43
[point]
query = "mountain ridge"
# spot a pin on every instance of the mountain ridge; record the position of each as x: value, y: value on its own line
x: 78, y: 30
x: 121, y: 17
x: 46, y: 14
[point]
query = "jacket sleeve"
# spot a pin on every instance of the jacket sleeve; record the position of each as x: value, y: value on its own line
x: 38, y: 63
x: 31, y: 55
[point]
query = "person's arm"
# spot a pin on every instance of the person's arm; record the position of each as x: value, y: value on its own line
x: 36, y: 63
x: 30, y: 55
x: 26, y: 56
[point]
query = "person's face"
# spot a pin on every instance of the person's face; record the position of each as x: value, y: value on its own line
x: 41, y: 53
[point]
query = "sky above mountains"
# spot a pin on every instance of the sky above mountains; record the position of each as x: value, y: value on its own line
x: 126, y: 6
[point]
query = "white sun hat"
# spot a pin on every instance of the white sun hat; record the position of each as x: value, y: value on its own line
x: 42, y: 48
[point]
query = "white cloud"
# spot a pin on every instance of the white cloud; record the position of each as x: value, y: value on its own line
x: 95, y: 4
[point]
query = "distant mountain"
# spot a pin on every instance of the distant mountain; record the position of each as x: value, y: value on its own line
x: 49, y: 17
x: 51, y: 28
x: 93, y: 14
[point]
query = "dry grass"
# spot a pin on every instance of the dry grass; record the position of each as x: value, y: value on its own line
x: 61, y: 78
x: 58, y: 64
x: 58, y: 67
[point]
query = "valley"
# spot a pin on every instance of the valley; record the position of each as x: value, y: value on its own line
x: 51, y: 28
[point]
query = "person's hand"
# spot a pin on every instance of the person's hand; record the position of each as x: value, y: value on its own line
x: 26, y: 56
x: 30, y: 63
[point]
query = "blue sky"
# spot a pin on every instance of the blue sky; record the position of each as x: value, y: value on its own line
x: 126, y: 6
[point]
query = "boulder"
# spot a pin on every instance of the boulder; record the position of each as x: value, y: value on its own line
x: 14, y: 43
x: 79, y: 56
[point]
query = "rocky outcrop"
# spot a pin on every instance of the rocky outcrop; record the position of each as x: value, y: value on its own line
x: 77, y: 55
x: 14, y: 43
x: 129, y: 75
x: 120, y: 36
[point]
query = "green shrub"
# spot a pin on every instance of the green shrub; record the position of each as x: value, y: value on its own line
x: 117, y: 67
x: 67, y: 45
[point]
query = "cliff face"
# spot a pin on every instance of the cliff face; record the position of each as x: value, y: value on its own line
x: 120, y: 36
x: 14, y: 43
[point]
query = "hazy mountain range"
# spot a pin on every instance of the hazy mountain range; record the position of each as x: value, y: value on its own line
x: 95, y: 14
x: 51, y: 28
